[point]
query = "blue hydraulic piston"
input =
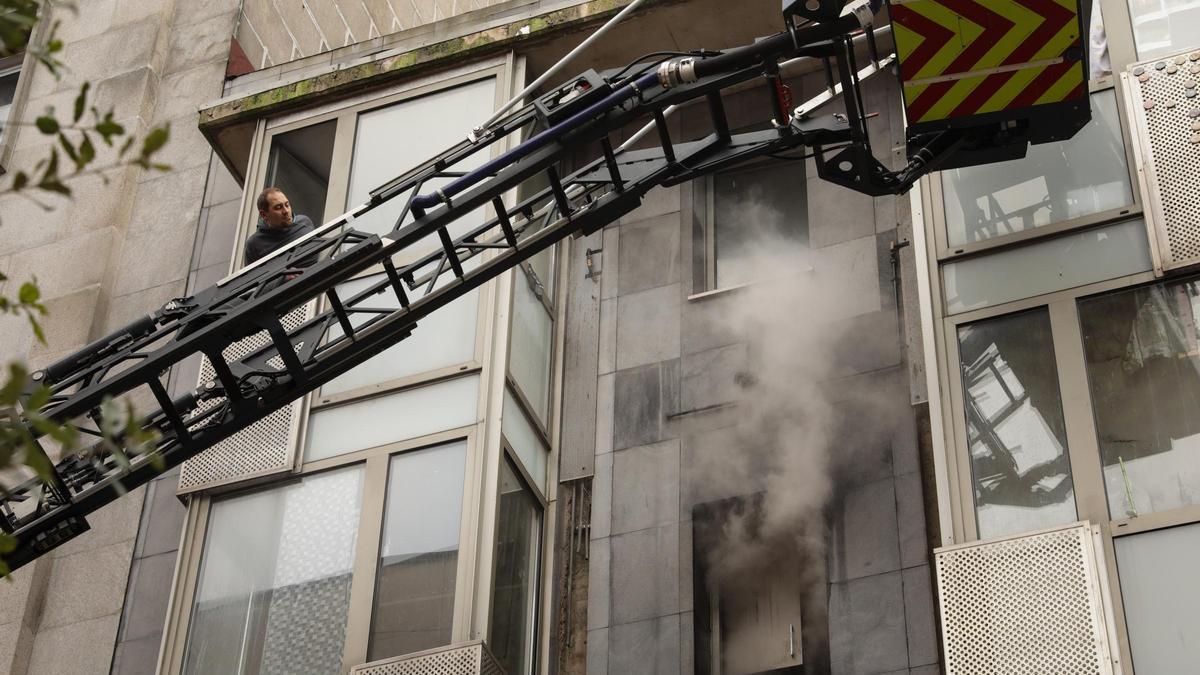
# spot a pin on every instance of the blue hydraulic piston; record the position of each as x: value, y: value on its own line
x: 638, y: 87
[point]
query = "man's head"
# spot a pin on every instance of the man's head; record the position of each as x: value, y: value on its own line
x: 275, y: 209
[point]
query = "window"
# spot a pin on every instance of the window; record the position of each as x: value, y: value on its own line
x: 418, y: 557
x: 752, y: 210
x: 274, y: 585
x: 1164, y: 26
x: 514, y: 590
x: 300, y: 164
x: 1015, y: 428
x: 1158, y: 584
x: 752, y: 621
x: 411, y: 426
x: 525, y: 440
x: 392, y: 140
x: 10, y: 72
x: 1143, y: 366
x: 1053, y: 183
x: 1073, y: 259
x: 377, y: 421
x: 532, y: 341
x: 444, y: 339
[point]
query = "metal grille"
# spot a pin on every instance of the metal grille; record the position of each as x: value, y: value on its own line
x: 1024, y: 605
x: 267, y: 447
x: 1165, y: 107
x: 468, y: 658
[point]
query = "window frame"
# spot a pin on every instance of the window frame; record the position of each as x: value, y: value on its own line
x: 929, y: 209
x: 28, y: 66
x: 473, y: 588
x: 707, y: 190
x: 346, y: 113
x: 10, y: 65
x: 539, y: 606
x: 945, y: 389
x: 375, y: 463
x: 541, y: 426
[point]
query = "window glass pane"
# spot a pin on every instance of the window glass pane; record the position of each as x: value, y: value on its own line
x: 1016, y: 435
x: 1160, y: 592
x: 274, y: 584
x: 532, y: 337
x: 518, y: 537
x: 299, y: 165
x: 444, y: 338
x: 524, y: 440
x: 394, y: 139
x: 1046, y: 266
x: 418, y: 563
x: 8, y: 89
x: 1052, y: 183
x: 752, y: 207
x: 386, y: 419
x: 1164, y: 26
x: 1143, y: 362
x: 543, y: 267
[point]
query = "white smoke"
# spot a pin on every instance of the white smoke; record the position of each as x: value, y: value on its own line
x: 794, y: 435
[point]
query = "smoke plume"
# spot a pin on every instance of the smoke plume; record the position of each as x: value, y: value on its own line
x: 799, y: 427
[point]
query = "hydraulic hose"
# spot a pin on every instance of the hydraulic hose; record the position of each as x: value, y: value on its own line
x: 456, y: 186
x: 773, y: 47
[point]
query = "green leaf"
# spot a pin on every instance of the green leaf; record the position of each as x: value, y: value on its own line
x: 36, y: 459
x: 125, y: 147
x: 155, y: 140
x: 20, y: 180
x: 10, y: 393
x: 37, y: 329
x: 38, y: 398
x: 29, y: 293
x: 107, y: 127
x: 8, y: 543
x: 70, y: 150
x: 47, y: 125
x: 81, y: 100
x: 55, y: 186
x: 87, y: 151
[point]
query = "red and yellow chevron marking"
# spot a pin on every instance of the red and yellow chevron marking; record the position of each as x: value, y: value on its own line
x: 967, y: 57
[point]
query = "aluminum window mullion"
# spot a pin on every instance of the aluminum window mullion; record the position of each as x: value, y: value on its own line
x: 366, y: 561
x: 966, y: 524
x: 183, y: 587
x: 1083, y: 446
x: 1118, y: 30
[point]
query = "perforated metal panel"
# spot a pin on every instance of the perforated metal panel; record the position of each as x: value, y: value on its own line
x: 1165, y: 108
x: 1026, y: 605
x: 468, y: 658
x: 267, y: 447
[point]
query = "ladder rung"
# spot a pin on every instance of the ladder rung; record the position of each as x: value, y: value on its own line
x: 560, y: 195
x: 451, y: 252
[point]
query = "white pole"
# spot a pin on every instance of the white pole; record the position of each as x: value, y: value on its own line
x: 479, y: 130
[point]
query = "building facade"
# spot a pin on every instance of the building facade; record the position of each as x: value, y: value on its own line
x: 725, y: 434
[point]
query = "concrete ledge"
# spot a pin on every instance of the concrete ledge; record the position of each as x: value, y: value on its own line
x: 221, y: 120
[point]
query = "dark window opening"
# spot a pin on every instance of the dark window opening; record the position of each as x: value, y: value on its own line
x: 768, y: 615
x: 299, y: 165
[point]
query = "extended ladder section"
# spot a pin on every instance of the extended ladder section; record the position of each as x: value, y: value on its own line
x: 426, y: 258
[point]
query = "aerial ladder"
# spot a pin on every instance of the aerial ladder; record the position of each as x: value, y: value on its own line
x: 946, y: 70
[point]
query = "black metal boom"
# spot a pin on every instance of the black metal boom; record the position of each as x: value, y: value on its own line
x: 559, y: 128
